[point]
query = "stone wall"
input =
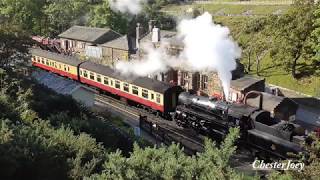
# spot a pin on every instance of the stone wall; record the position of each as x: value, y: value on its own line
x: 111, y: 56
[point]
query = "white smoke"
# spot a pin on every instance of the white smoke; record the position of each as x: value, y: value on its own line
x: 131, y: 6
x: 208, y: 47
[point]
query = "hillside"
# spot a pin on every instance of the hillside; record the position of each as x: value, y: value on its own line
x: 239, y: 16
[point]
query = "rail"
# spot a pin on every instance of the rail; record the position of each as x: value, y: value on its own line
x: 161, y: 129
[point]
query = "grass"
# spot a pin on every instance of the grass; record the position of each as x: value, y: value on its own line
x: 227, y: 9
x: 276, y: 74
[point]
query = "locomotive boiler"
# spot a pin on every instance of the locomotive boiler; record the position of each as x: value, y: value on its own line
x: 258, y: 130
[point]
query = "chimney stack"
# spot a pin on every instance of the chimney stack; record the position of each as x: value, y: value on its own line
x: 138, y: 33
x: 155, y: 35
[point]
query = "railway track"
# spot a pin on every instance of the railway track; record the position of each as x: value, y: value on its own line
x: 163, y: 130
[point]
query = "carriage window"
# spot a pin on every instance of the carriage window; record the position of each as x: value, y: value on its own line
x: 85, y: 74
x: 80, y: 72
x: 98, y: 78
x: 65, y: 68
x: 91, y: 76
x: 118, y: 84
x: 135, y: 90
x: 145, y: 93
x: 59, y: 66
x: 158, y: 98
x: 47, y: 62
x: 106, y: 81
x: 42, y: 60
x: 55, y: 65
x: 152, y: 96
x: 68, y: 68
x: 111, y: 82
x: 126, y: 87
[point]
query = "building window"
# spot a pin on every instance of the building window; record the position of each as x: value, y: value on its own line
x: 91, y: 76
x: 185, y: 78
x: 158, y: 98
x: 145, y: 94
x: 135, y: 90
x: 85, y: 74
x: 105, y: 81
x: 126, y: 87
x: 117, y: 84
x: 99, y: 78
x: 204, y: 84
x: 152, y: 96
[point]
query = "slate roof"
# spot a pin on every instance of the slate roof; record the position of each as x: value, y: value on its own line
x: 119, y: 43
x: 270, y: 102
x: 144, y: 82
x: 90, y: 34
x: 55, y: 56
x: 243, y: 83
x: 169, y: 36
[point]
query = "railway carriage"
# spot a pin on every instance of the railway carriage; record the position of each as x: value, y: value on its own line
x: 159, y: 96
x: 56, y: 63
x: 152, y: 94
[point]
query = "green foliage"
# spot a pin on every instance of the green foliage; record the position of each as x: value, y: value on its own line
x: 27, y: 13
x: 13, y: 41
x: 43, y: 17
x: 46, y: 152
x: 316, y: 33
x: 62, y: 14
x: 172, y: 163
x: 292, y: 33
x: 103, y: 16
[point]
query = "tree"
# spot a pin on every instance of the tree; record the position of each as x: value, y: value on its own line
x: 60, y: 15
x: 172, y: 163
x: 103, y: 16
x: 292, y: 34
x: 13, y: 41
x: 316, y: 33
x: 26, y: 14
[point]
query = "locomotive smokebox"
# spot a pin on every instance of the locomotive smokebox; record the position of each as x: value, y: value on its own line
x: 184, y: 98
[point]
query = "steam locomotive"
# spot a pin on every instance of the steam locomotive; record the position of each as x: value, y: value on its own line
x: 258, y: 129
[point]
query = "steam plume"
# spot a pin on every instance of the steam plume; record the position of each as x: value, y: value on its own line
x: 207, y: 47
x: 131, y: 6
